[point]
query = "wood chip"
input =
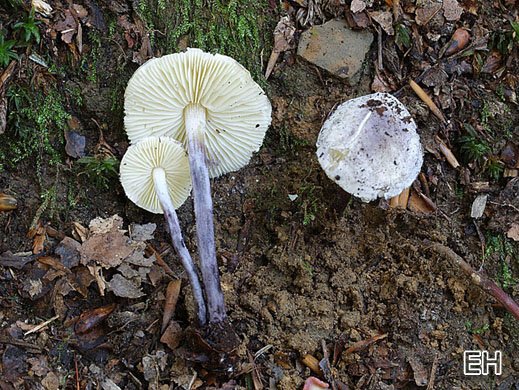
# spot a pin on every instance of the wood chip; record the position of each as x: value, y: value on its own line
x: 478, y: 206
x: 312, y: 363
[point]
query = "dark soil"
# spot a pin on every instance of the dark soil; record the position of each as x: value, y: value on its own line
x: 323, y: 267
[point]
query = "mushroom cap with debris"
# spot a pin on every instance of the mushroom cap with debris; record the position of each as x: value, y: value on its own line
x: 137, y: 167
x: 369, y: 146
x: 237, y: 110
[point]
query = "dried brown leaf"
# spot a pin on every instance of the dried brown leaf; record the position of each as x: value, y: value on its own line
x: 172, y: 335
x: 91, y: 318
x: 452, y: 10
x: 124, y: 288
x: 513, y: 232
x: 172, y: 293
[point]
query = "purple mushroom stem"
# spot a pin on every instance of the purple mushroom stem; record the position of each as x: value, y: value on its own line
x: 161, y: 188
x: 195, y: 120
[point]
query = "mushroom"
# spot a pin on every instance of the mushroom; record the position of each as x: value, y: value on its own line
x: 211, y: 104
x: 155, y: 176
x: 370, y: 148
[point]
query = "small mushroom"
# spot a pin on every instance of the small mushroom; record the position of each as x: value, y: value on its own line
x: 211, y: 104
x: 370, y: 148
x: 155, y: 176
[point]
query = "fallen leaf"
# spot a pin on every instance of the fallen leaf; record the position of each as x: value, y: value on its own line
x: 108, y: 249
x: 420, y: 374
x: 91, y: 318
x: 385, y: 19
x: 172, y: 335
x: 142, y: 232
x: 478, y: 206
x: 283, y: 41
x: 513, y: 232
x: 424, y: 14
x: 492, y: 63
x: 172, y: 293
x: 510, y: 155
x: 104, y: 225
x: 81, y: 11
x: 75, y: 144
x: 69, y: 251
x: 357, y: 6
x: 452, y: 10
x: 124, y: 288
x: 41, y: 7
x: 80, y: 232
x: 67, y: 27
x: 51, y: 382
x: 419, y: 204
x: 153, y: 365
x: 14, y: 363
x: 39, y: 365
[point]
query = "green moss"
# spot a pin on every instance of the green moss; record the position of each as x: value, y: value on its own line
x: 35, y: 128
x: 90, y: 61
x: 231, y: 27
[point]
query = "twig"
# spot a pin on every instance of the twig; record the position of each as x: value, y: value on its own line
x: 41, y: 326
x: 78, y: 386
x: 432, y: 377
x: 427, y: 100
x: 479, y: 278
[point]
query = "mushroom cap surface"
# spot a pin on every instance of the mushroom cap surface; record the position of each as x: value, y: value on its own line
x: 237, y: 110
x: 137, y: 167
x: 369, y: 146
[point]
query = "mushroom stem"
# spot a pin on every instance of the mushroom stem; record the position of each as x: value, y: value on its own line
x: 161, y: 188
x: 195, y: 121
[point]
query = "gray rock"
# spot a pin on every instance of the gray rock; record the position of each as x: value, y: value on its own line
x: 335, y: 48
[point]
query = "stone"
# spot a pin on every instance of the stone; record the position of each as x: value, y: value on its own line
x: 335, y: 48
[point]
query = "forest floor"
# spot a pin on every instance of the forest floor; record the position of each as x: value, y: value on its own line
x: 308, y: 271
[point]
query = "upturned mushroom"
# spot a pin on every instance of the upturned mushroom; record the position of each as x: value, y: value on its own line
x: 211, y: 104
x: 369, y: 146
x: 155, y: 176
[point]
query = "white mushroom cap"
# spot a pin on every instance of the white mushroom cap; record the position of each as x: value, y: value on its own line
x: 137, y: 168
x: 370, y: 148
x: 238, y: 112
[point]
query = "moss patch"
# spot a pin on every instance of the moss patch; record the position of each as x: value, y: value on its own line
x: 36, y: 124
x: 235, y: 28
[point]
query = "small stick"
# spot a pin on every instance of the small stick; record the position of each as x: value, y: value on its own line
x: 78, y: 385
x: 360, y: 345
x: 480, y: 279
x: 447, y: 153
x: 41, y: 326
x: 432, y: 377
x: 427, y: 100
